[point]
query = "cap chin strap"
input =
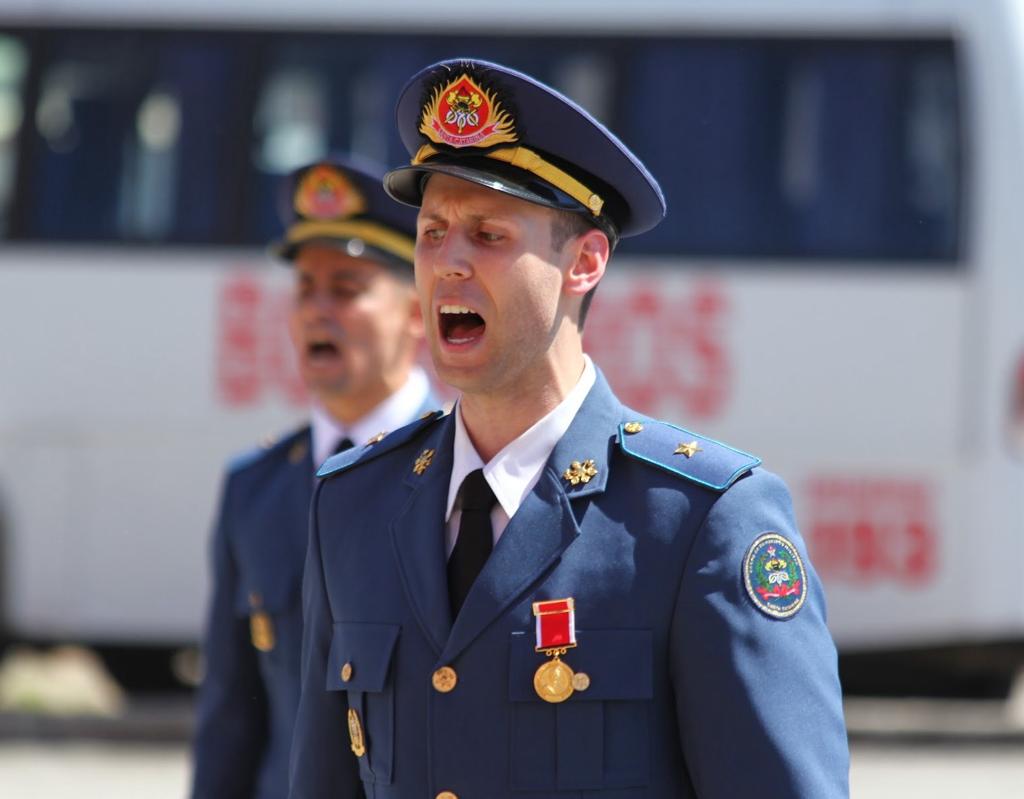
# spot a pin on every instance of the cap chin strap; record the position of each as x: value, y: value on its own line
x: 373, y: 234
x: 527, y: 160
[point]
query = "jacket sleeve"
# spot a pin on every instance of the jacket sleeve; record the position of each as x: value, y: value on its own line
x: 231, y: 724
x: 758, y: 698
x: 322, y: 762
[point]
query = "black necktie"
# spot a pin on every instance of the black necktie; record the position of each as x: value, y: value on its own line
x: 475, y: 540
x: 344, y: 444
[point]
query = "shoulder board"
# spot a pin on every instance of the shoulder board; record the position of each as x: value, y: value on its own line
x: 703, y: 460
x: 270, y: 445
x: 344, y: 461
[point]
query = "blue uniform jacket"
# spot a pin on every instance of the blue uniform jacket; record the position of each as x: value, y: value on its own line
x: 249, y: 696
x: 694, y: 691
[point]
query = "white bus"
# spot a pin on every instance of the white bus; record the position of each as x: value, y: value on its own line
x: 837, y: 287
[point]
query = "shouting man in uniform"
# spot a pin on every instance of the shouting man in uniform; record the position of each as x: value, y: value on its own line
x: 544, y: 593
x: 356, y: 328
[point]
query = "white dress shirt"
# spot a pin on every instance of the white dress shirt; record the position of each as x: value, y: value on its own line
x: 515, y: 470
x: 396, y: 411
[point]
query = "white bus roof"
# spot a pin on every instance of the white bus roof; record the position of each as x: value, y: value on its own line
x: 583, y: 15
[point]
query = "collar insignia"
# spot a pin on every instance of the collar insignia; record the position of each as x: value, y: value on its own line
x: 462, y: 114
x: 580, y: 472
x: 423, y: 461
x: 324, y: 194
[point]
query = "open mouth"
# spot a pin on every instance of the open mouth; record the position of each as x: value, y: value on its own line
x: 461, y: 325
x: 321, y: 349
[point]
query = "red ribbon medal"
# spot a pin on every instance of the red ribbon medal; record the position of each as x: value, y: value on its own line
x: 555, y: 680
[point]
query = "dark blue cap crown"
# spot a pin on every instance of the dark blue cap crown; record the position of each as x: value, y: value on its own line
x: 340, y: 200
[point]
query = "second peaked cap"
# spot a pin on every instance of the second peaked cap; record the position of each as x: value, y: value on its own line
x: 340, y: 201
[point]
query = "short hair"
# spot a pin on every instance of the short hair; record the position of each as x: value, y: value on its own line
x: 567, y: 225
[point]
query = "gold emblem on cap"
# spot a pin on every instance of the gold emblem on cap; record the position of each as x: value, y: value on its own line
x: 355, y: 733
x: 461, y: 113
x: 580, y: 472
x: 632, y: 427
x: 377, y: 438
x: 261, y: 630
x: 689, y: 450
x: 423, y: 461
x: 324, y: 192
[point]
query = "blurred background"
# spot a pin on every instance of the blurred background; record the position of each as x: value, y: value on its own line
x: 837, y: 289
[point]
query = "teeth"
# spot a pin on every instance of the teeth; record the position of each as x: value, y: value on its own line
x: 456, y: 309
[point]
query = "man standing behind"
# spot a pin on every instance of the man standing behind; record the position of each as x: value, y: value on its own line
x: 356, y: 328
x: 547, y: 594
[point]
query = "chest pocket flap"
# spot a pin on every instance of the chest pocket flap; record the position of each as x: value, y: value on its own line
x: 362, y: 653
x: 599, y: 736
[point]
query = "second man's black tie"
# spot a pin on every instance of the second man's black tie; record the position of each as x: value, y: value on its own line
x: 475, y: 541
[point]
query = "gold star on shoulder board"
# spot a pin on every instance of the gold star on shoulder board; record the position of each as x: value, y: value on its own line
x: 580, y: 472
x: 377, y: 438
x: 689, y: 450
x: 423, y: 461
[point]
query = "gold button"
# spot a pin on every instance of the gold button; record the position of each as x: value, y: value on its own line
x: 444, y: 680
x: 346, y: 672
x: 446, y: 795
x: 632, y: 427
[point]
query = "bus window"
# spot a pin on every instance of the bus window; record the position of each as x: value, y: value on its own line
x: 825, y: 150
x: 134, y: 139
x: 13, y: 68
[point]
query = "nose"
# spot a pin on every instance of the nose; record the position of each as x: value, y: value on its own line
x: 451, y: 260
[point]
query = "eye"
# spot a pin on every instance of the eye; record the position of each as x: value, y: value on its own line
x: 490, y: 236
x: 432, y: 234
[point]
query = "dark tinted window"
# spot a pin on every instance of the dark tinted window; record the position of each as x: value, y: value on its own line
x: 765, y: 148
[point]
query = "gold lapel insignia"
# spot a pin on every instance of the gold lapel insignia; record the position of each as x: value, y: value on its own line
x: 689, y: 450
x: 423, y: 461
x: 632, y: 427
x: 580, y: 472
x: 355, y: 732
x: 377, y: 438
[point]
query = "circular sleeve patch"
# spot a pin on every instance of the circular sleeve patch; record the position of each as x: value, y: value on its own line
x: 774, y: 576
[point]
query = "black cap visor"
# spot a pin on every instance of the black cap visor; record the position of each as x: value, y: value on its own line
x: 405, y: 185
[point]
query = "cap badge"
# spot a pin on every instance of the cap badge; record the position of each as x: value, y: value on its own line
x: 462, y: 114
x: 774, y: 576
x: 325, y: 193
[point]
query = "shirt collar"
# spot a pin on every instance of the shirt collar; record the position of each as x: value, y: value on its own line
x: 396, y: 411
x: 514, y: 471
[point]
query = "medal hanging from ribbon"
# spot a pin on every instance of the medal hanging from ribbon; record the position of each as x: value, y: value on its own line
x: 555, y: 680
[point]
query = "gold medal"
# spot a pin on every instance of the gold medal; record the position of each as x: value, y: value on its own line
x: 355, y: 732
x: 261, y: 629
x: 553, y: 681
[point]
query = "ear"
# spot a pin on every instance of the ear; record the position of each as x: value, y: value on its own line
x: 590, y: 252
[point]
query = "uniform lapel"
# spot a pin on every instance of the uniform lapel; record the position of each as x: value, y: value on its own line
x: 417, y: 532
x: 545, y: 524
